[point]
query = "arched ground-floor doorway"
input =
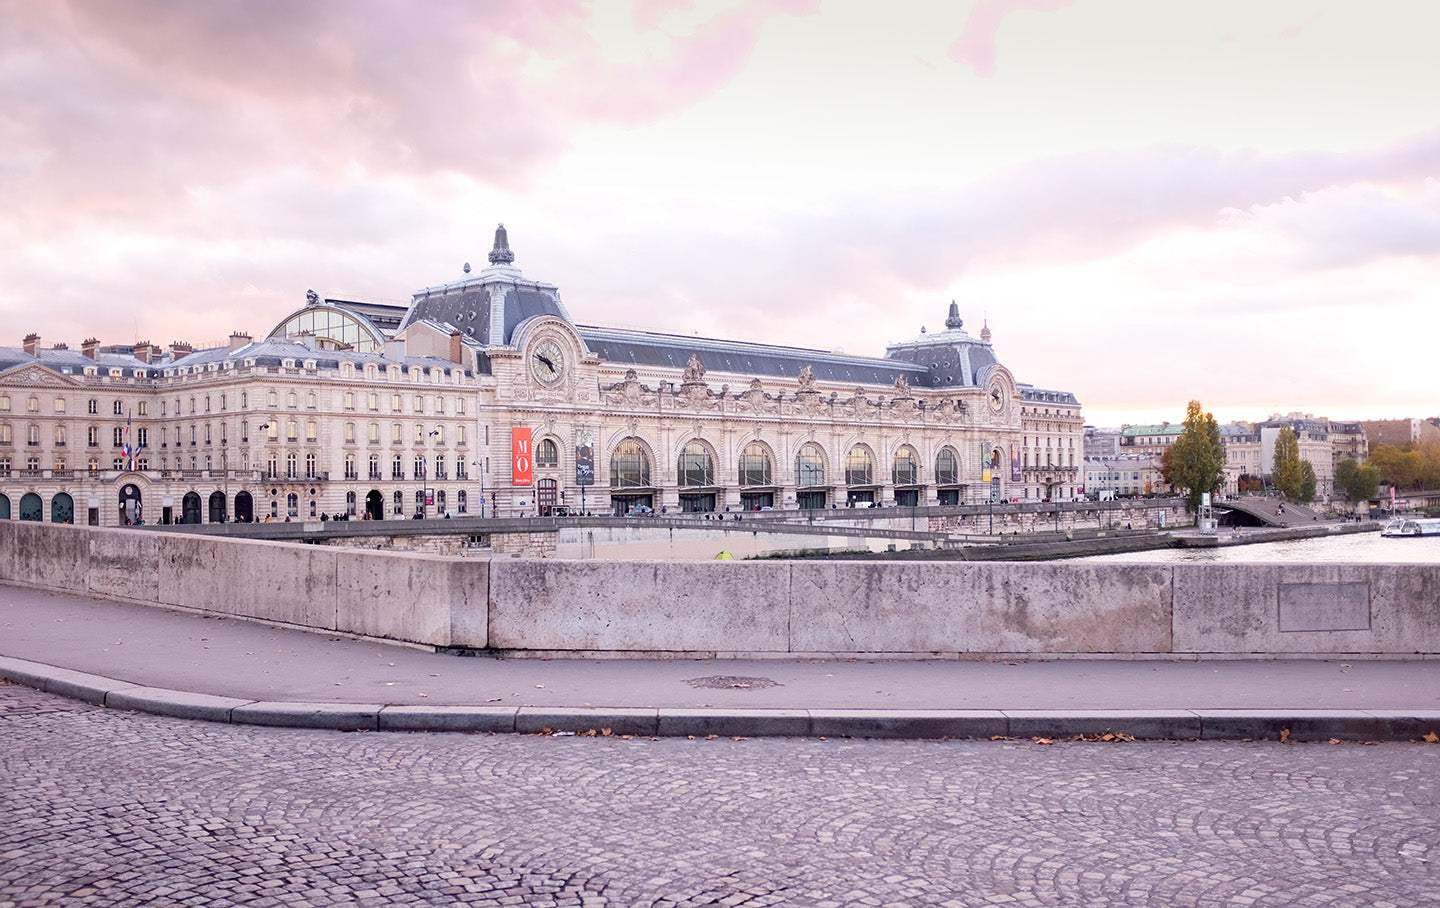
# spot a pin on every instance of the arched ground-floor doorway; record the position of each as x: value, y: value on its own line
x: 31, y: 507
x: 546, y: 496
x: 131, y: 512
x: 4, y: 507
x: 190, y: 508
x: 754, y: 501
x: 627, y: 505
x: 217, y: 507
x: 375, y: 505
x: 244, y: 507
x: 810, y: 499
x: 62, y: 508
x: 697, y: 502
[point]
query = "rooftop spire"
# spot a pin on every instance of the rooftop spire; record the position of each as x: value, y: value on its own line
x: 501, y: 254
x: 953, y: 319
x: 985, y: 331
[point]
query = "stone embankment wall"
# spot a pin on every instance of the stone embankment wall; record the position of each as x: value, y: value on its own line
x: 776, y: 608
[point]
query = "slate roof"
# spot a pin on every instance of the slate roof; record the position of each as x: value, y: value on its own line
x: 643, y: 348
x: 74, y: 362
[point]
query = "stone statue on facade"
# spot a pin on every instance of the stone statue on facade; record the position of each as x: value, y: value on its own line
x: 807, y: 379
x: 694, y: 371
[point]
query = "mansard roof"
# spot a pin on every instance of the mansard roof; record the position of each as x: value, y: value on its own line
x: 1031, y: 394
x: 74, y: 362
x: 673, y: 351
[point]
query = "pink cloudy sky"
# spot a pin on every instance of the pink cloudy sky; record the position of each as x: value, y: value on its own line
x: 1232, y: 201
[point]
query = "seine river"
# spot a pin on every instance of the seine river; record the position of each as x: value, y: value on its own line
x: 1358, y: 547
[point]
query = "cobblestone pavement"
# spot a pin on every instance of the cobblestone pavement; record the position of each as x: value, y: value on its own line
x: 102, y: 807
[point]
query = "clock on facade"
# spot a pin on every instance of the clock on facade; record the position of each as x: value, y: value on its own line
x: 996, y: 391
x: 547, y: 361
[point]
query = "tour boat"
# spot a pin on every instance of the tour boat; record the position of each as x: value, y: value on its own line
x: 1412, y: 526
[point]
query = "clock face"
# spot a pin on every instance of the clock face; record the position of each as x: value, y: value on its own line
x: 547, y: 361
x: 996, y: 392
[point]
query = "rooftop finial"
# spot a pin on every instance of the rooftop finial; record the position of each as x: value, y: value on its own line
x: 985, y: 331
x: 953, y: 319
x: 501, y: 254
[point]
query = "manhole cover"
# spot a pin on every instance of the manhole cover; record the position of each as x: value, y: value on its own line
x: 732, y: 682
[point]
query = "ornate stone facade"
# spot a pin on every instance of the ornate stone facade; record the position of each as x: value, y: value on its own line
x: 429, y: 417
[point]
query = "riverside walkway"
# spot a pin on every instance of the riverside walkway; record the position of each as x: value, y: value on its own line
x: 181, y: 664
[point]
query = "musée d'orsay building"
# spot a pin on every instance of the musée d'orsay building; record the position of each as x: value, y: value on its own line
x: 483, y: 397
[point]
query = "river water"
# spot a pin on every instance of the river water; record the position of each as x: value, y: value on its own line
x: 1358, y: 547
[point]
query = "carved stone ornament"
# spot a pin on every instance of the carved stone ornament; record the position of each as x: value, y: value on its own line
x: 902, y: 387
x: 807, y: 379
x: 694, y: 371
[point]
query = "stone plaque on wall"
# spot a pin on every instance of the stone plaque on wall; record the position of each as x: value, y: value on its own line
x: 1324, y: 606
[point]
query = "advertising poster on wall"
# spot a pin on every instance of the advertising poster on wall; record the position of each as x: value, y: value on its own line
x: 584, y: 456
x: 521, y: 457
x: 1014, y: 466
x: 986, y: 451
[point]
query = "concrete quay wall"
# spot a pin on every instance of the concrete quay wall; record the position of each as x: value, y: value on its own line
x: 762, y: 608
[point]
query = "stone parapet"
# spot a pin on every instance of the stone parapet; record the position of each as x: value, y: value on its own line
x: 757, y: 608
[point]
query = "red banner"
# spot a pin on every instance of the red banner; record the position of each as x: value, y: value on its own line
x: 521, y: 457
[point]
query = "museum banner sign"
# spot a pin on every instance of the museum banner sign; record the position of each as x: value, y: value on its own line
x: 522, y: 457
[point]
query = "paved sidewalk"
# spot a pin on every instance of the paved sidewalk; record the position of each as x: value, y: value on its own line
x: 173, y: 663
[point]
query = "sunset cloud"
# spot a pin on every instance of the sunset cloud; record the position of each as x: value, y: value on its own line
x: 1174, y: 183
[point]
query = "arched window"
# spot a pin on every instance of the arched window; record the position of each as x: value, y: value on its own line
x: 755, y: 466
x: 309, y: 466
x: 399, y: 506
x: 697, y: 467
x: 547, y: 453
x: 333, y: 329
x: 439, y: 501
x: 947, y: 468
x: 375, y: 466
x: 350, y: 503
x: 907, y: 467
x: 461, y: 501
x: 629, y: 467
x: 810, y: 466
x: 292, y: 505
x: 859, y: 471
x: 291, y: 466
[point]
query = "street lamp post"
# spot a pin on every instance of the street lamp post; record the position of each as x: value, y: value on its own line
x: 425, y: 480
x: 481, y: 472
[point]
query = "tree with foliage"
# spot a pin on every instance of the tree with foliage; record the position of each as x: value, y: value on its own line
x: 1308, y: 481
x: 1286, y: 474
x: 1196, y: 461
x: 1356, y: 483
x: 1398, y: 466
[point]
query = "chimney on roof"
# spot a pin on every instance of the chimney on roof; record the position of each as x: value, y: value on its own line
x: 179, y: 350
x: 32, y: 343
x: 89, y: 346
x: 455, y: 346
x: 144, y: 350
x: 238, y: 339
x: 61, y: 346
